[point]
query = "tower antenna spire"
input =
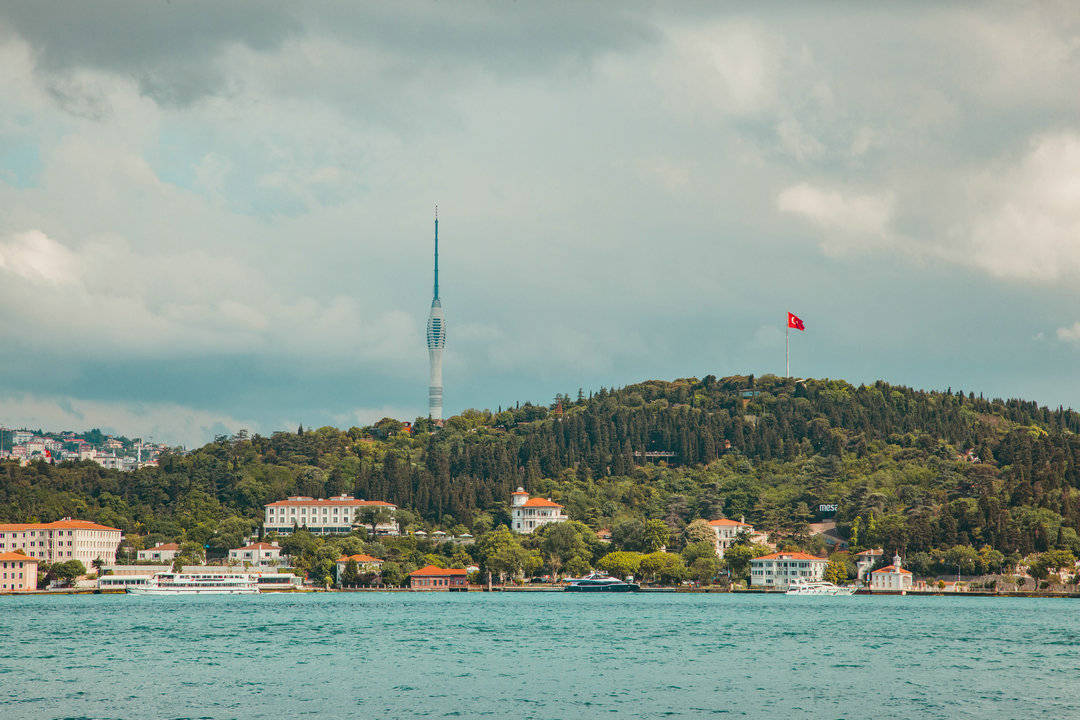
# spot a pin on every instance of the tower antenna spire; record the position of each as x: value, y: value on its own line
x: 436, y: 251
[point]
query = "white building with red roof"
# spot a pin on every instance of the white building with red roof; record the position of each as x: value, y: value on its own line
x: 364, y: 564
x: 867, y: 559
x: 726, y: 531
x: 261, y: 554
x: 162, y: 552
x: 527, y: 514
x: 62, y: 540
x: 891, y: 577
x: 17, y: 571
x: 779, y: 569
x: 322, y: 516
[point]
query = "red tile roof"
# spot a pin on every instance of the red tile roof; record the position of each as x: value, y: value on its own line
x: 360, y: 558
x: 165, y: 546
x: 16, y: 556
x: 789, y: 556
x: 891, y: 569
x: 329, y: 502
x: 873, y: 551
x: 540, y: 502
x: 260, y: 546
x: 432, y: 571
x: 67, y: 524
x: 724, y: 522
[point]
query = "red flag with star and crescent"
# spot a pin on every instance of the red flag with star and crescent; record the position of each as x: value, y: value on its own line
x: 794, y: 322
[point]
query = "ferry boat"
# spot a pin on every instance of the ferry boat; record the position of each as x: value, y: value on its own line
x: 600, y: 582
x: 168, y: 583
x: 818, y: 587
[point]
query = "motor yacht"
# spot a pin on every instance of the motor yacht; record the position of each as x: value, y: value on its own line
x: 818, y: 587
x: 169, y: 583
x: 600, y: 582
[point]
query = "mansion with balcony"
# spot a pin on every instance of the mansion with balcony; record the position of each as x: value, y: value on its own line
x: 778, y: 570
x: 323, y: 516
x: 527, y: 514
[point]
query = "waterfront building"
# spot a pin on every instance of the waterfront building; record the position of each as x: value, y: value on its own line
x: 891, y: 577
x: 726, y: 531
x: 436, y: 342
x: 527, y: 513
x: 867, y: 559
x: 62, y: 540
x: 259, y: 553
x: 365, y: 564
x: 327, y: 516
x: 436, y: 578
x: 18, y: 571
x: 162, y: 552
x: 779, y: 569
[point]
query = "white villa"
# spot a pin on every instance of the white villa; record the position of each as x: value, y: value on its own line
x: 336, y: 514
x: 725, y: 531
x: 527, y: 513
x: 364, y: 564
x: 779, y: 569
x: 866, y: 560
x: 166, y: 552
x: 891, y: 577
x: 258, y: 554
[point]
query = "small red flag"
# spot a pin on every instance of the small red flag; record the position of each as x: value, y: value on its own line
x: 794, y: 322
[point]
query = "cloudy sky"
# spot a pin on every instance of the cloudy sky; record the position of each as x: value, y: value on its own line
x: 219, y: 215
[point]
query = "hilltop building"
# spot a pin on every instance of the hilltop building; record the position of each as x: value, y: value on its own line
x: 337, y: 514
x: 18, y: 571
x: 259, y: 554
x: 891, y: 577
x: 725, y: 531
x: 527, y: 513
x: 162, y: 552
x: 436, y: 342
x: 62, y: 540
x: 365, y: 564
x: 780, y: 569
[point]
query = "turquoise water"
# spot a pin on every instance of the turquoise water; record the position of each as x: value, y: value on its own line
x: 541, y: 655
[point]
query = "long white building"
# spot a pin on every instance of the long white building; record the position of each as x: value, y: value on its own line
x: 322, y: 516
x: 62, y: 540
x: 527, y: 513
x: 778, y: 570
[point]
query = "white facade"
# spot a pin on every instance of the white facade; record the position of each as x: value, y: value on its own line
x: 726, y: 531
x: 891, y: 577
x: 527, y: 513
x: 322, y: 516
x: 62, y: 540
x: 162, y: 552
x: 364, y: 564
x: 866, y: 560
x: 260, y: 553
x: 778, y: 570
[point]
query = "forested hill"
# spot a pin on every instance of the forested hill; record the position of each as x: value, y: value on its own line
x: 911, y: 469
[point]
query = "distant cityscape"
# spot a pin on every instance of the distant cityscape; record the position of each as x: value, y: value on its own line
x: 109, y: 451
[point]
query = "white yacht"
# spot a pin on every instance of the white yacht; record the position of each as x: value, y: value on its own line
x: 168, y: 583
x: 818, y: 587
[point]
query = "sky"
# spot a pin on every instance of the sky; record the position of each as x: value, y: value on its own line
x: 217, y: 216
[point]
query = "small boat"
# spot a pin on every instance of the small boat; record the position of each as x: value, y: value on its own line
x: 818, y: 587
x: 168, y: 583
x: 600, y: 582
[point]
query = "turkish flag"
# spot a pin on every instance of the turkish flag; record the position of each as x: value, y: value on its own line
x: 794, y: 322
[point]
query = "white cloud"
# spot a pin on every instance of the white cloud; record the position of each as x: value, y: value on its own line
x: 35, y: 257
x: 1069, y: 334
x: 849, y: 220
x: 1025, y: 220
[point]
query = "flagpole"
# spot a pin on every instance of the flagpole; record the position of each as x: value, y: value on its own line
x: 787, y: 348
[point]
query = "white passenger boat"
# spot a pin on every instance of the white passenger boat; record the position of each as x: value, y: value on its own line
x: 169, y: 583
x: 818, y: 587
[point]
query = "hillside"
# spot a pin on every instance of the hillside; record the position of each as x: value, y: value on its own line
x: 912, y: 470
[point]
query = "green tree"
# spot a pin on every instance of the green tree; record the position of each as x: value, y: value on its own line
x: 65, y: 573
x: 350, y: 576
x: 701, y: 549
x: 704, y: 569
x: 392, y: 575
x: 655, y: 536
x: 621, y: 563
x: 836, y: 572
x: 562, y: 541
x: 698, y: 531
x: 372, y: 516
x: 738, y: 559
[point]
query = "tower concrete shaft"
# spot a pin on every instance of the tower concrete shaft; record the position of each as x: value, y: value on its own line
x: 436, y: 341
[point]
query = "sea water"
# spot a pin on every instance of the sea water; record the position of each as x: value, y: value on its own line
x: 537, y: 655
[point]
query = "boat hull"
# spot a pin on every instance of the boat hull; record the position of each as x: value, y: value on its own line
x: 199, y: 591
x: 603, y: 588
